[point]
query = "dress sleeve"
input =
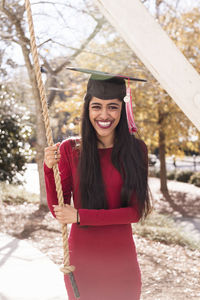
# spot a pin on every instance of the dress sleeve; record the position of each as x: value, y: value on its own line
x: 66, y: 178
x: 124, y: 215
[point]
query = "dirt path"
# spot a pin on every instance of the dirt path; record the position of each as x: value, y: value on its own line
x: 185, y: 198
x: 184, y: 206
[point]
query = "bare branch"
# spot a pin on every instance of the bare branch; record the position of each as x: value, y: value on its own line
x: 158, y: 4
x: 86, y: 51
x: 62, y: 4
x: 9, y: 38
x: 5, y: 36
x: 60, y: 14
x: 17, y: 23
x: 47, y: 66
x: 49, y: 40
x: 96, y: 30
x: 53, y: 82
x: 25, y: 43
x: 170, y: 7
x: 53, y: 92
x: 83, y: 46
x: 177, y: 3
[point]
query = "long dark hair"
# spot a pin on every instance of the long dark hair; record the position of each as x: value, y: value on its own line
x: 129, y: 156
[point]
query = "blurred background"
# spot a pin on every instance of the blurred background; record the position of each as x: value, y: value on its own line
x: 75, y: 33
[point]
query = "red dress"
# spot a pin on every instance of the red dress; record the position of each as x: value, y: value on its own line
x: 101, y: 247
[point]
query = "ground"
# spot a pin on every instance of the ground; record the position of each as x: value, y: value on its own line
x: 169, y: 272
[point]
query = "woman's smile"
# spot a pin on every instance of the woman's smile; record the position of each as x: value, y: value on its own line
x: 104, y: 124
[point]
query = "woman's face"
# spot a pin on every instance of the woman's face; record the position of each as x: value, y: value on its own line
x: 104, y: 116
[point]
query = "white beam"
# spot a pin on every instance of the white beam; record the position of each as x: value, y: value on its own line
x: 157, y: 51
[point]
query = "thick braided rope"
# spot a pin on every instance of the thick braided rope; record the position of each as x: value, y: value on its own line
x: 66, y: 260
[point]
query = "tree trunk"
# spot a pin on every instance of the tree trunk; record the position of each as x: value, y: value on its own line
x: 163, y: 173
x: 41, y: 142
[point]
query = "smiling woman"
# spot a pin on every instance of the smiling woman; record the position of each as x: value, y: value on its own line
x: 106, y: 172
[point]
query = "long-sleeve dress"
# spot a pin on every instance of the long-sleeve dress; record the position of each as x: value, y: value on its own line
x: 102, y: 248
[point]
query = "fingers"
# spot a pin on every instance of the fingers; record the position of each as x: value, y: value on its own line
x: 66, y: 214
x: 60, y: 214
x: 52, y: 155
x: 60, y: 208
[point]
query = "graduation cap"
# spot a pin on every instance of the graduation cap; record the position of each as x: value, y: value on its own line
x: 98, y: 75
x: 107, y: 86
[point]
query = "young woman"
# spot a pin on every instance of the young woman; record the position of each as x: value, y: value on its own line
x: 106, y: 172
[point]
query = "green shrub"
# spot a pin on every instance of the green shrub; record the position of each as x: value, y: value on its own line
x: 195, y: 179
x: 183, y: 176
x: 171, y: 175
x: 13, y: 137
x: 15, y: 194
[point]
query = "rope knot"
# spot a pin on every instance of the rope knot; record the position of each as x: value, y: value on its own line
x: 67, y: 269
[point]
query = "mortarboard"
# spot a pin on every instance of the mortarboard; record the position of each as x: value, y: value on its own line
x: 107, y: 86
x: 98, y: 75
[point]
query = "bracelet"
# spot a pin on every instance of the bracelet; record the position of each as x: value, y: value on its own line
x: 77, y: 218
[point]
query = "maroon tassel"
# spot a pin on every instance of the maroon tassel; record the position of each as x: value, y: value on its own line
x: 129, y: 111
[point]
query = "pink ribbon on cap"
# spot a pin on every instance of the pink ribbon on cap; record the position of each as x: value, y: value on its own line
x: 129, y: 110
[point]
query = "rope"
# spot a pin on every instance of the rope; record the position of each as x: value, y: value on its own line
x: 66, y: 269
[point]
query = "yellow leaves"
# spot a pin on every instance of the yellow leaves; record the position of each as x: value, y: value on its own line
x: 154, y: 108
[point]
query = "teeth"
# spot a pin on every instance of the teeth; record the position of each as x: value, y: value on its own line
x: 104, y: 124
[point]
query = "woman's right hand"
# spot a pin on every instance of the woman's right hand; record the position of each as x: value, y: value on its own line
x: 52, y: 155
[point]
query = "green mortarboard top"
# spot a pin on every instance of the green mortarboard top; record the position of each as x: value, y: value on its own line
x: 97, y: 75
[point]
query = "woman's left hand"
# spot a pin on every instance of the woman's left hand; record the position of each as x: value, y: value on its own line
x: 66, y: 214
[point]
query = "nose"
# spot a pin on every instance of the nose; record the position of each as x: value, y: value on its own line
x: 104, y: 113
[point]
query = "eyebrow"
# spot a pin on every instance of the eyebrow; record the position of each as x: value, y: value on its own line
x: 112, y: 103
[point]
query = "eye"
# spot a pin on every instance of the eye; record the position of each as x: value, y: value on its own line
x: 113, y: 107
x: 96, y: 107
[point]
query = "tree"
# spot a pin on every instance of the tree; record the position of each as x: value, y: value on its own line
x: 13, y: 29
x: 164, y: 124
x: 12, y: 15
x: 176, y: 130
x: 13, y: 136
